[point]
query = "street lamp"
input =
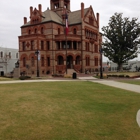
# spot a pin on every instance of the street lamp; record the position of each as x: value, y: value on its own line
x: 101, y: 67
x: 37, y: 53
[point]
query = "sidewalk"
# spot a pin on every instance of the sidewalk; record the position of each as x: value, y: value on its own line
x: 130, y: 87
x: 126, y: 86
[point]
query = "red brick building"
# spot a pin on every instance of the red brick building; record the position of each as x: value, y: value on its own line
x: 45, y: 32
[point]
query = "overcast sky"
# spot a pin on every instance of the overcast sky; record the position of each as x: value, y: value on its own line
x: 13, y: 11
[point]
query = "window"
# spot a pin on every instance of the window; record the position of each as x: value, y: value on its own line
x: 74, y: 45
x: 48, y: 61
x: 32, y: 61
x: 77, y: 60
x: 42, y: 30
x: 74, y: 31
x: 9, y: 54
x: 16, y: 55
x: 60, y: 60
x: 42, y: 61
x: 1, y: 54
x: 42, y: 45
x: 87, y: 46
x: 96, y: 61
x: 29, y: 32
x: 24, y: 62
x: 87, y: 61
x: 59, y: 31
x: 48, y: 45
x: 96, y: 48
x: 35, y: 31
x: 23, y: 46
x: 32, y: 45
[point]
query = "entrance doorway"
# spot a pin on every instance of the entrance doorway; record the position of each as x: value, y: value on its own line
x: 69, y: 62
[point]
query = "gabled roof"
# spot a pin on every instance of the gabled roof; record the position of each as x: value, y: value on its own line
x: 48, y: 15
x: 75, y: 17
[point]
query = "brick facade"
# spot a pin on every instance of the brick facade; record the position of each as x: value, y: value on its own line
x: 45, y: 32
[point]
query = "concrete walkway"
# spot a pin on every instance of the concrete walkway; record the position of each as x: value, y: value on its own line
x: 130, y: 87
x: 126, y: 86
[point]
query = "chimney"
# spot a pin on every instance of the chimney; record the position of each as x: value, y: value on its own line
x: 31, y: 10
x: 97, y: 15
x: 82, y: 10
x: 25, y: 20
x: 40, y: 8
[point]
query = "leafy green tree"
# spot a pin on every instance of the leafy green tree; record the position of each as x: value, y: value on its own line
x: 121, y: 39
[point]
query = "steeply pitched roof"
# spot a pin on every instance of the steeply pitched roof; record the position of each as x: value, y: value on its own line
x: 73, y: 17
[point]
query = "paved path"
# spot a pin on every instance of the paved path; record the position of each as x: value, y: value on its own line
x: 130, y: 87
x: 126, y: 86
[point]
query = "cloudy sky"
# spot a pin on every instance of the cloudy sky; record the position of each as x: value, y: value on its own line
x: 13, y: 11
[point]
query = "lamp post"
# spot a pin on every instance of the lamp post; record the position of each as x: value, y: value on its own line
x: 65, y: 20
x: 101, y: 67
x: 37, y: 53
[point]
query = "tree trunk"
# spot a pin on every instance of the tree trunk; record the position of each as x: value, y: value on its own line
x: 120, y: 67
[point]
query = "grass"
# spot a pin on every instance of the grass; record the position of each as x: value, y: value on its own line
x: 79, y: 110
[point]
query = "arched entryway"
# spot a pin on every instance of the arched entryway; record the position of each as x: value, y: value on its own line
x: 69, y: 62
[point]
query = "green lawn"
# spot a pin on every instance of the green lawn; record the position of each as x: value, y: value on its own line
x: 78, y: 110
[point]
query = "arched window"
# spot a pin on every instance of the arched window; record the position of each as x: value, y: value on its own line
x: 60, y: 60
x: 77, y: 60
x: 24, y: 62
x: 32, y: 61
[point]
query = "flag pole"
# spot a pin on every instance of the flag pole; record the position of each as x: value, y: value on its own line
x: 66, y: 32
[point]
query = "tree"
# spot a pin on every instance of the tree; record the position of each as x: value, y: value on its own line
x: 121, y: 39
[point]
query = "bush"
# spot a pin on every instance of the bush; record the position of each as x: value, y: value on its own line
x: 127, y: 76
x: 24, y: 77
x: 121, y: 75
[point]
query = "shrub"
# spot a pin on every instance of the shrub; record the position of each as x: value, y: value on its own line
x: 121, y: 75
x: 24, y: 77
x: 127, y: 76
